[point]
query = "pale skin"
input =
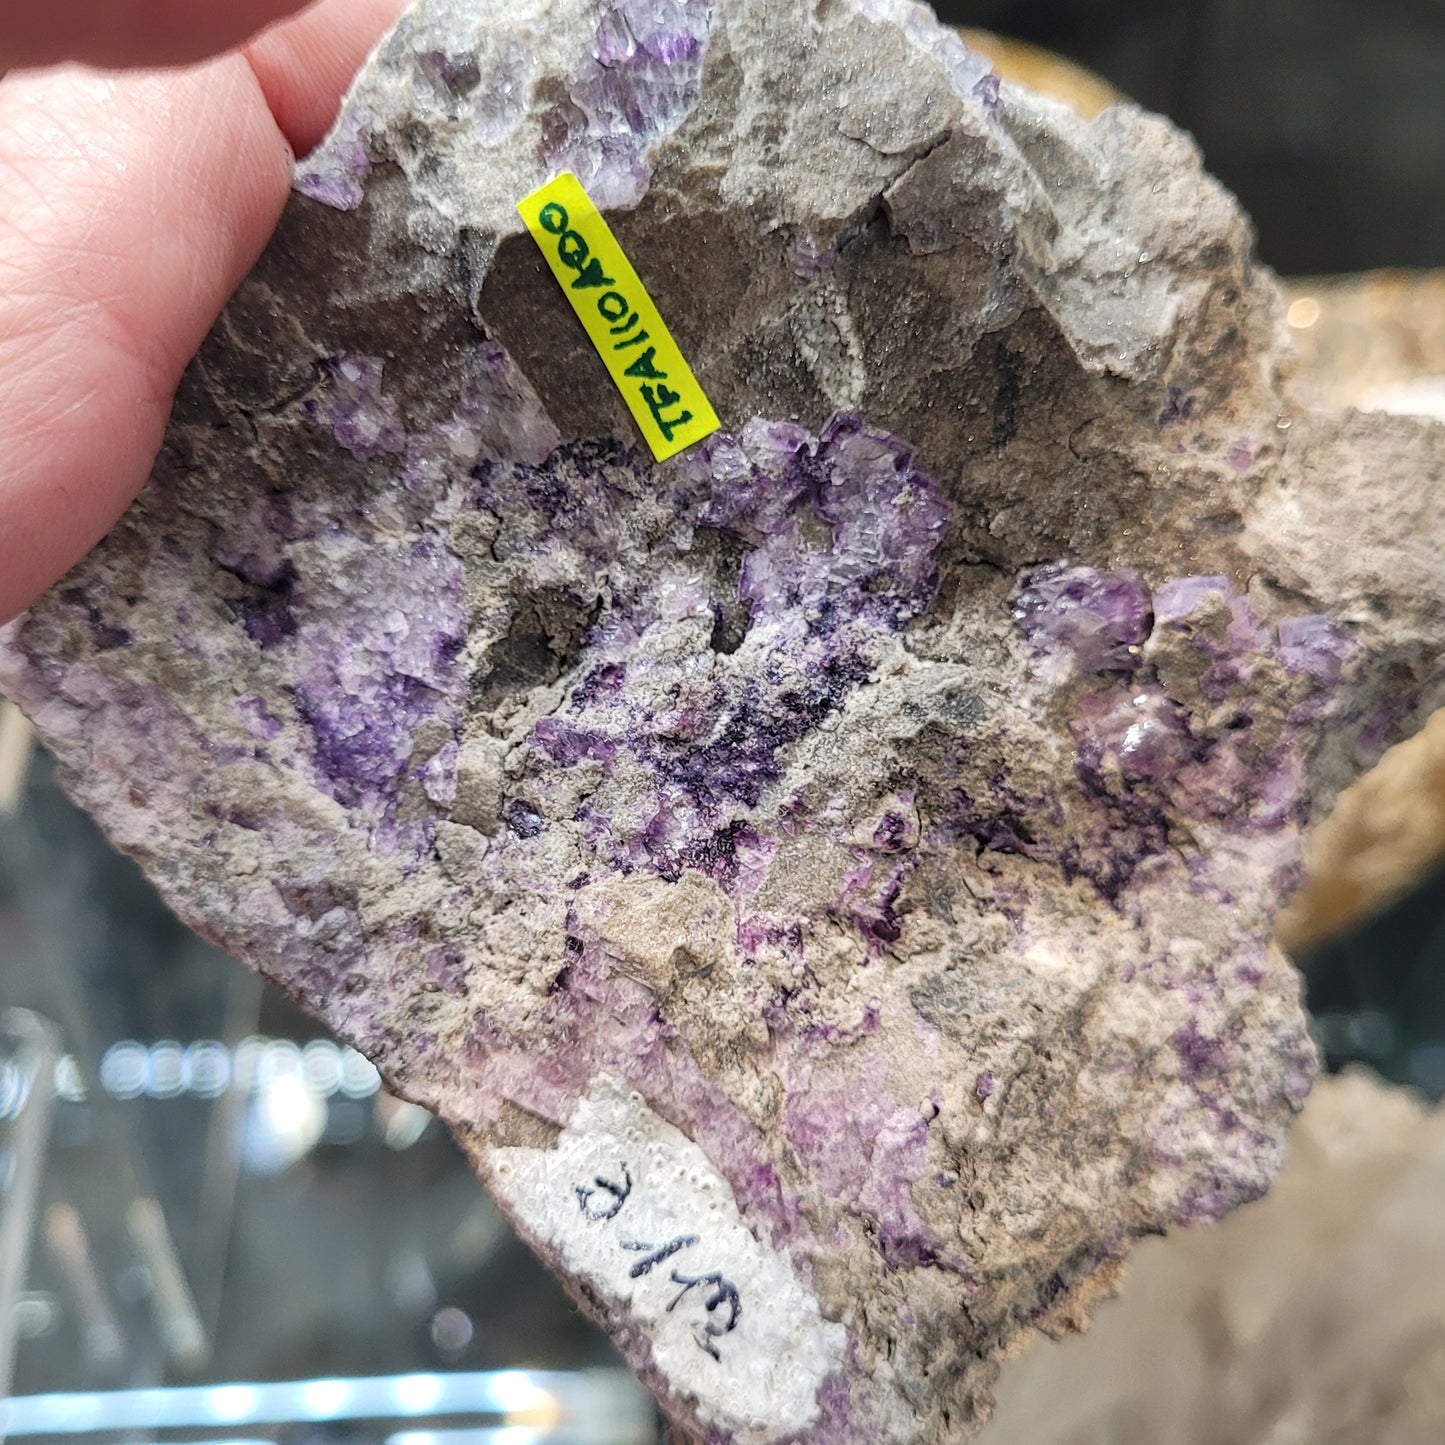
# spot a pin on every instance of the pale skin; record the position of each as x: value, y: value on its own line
x: 145, y: 157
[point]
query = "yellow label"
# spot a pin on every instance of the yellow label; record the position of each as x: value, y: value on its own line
x: 613, y: 305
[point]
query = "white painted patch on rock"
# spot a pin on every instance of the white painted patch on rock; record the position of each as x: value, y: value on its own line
x: 636, y: 1209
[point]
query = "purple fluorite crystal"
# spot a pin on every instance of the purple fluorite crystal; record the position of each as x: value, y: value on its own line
x: 1316, y: 645
x: 837, y: 865
x: 637, y: 86
x: 1187, y: 603
x: 1096, y: 619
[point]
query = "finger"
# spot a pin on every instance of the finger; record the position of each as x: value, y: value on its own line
x: 130, y: 207
x: 129, y: 32
x: 306, y: 64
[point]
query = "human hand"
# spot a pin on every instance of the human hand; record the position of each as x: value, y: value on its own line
x: 131, y: 206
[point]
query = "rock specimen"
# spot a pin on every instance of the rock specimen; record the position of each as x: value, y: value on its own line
x: 1386, y: 833
x: 1043, y: 71
x: 1314, y: 1316
x: 1376, y: 342
x: 826, y: 879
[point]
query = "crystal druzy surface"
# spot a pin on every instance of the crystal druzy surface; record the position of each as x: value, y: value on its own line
x: 826, y: 879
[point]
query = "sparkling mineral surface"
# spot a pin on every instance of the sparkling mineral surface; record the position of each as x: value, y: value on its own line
x: 826, y: 879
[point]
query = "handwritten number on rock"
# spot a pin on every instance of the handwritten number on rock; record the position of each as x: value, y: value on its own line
x: 603, y: 1200
x: 658, y: 1255
x: 603, y: 1209
x: 723, y: 1294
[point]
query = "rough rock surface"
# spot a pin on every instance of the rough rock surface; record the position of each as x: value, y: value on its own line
x: 1312, y: 1316
x: 826, y: 879
x: 1387, y: 831
x: 1376, y: 342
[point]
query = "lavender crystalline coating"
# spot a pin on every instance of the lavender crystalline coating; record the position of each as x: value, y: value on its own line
x: 1098, y: 619
x: 638, y: 84
x: 840, y: 861
x: 1315, y: 645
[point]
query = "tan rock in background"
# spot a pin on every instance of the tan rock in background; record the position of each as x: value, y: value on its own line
x: 1376, y: 341
x: 1386, y: 831
x: 1043, y: 71
x: 1310, y: 1318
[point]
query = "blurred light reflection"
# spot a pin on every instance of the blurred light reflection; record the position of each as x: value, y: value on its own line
x: 603, y: 1406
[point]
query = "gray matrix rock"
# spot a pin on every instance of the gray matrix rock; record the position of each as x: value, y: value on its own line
x: 825, y: 879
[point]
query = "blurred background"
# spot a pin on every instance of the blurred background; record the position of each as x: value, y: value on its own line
x: 200, y: 1192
